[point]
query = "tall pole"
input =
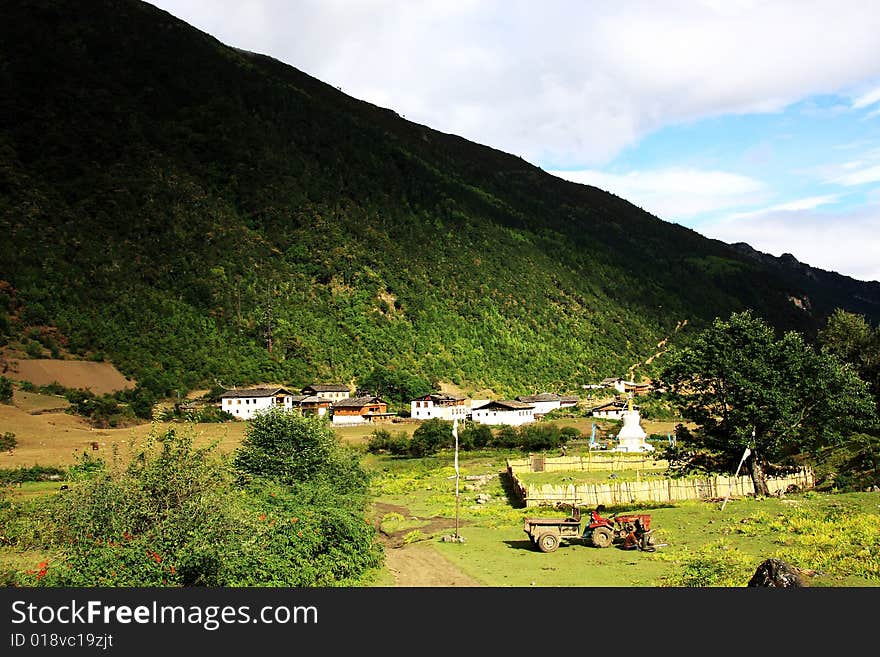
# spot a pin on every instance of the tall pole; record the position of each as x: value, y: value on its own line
x: 455, y: 433
x: 736, y: 474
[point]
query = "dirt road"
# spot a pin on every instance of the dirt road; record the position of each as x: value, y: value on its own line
x: 419, y: 563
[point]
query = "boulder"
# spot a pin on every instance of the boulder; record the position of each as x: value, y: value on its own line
x: 778, y: 574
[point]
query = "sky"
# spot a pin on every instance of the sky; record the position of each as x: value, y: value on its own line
x: 746, y: 120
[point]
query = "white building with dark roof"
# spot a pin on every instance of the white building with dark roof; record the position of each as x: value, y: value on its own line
x: 439, y: 405
x: 505, y: 411
x: 331, y: 391
x: 312, y: 404
x: 543, y: 403
x: 612, y: 410
x: 247, y: 402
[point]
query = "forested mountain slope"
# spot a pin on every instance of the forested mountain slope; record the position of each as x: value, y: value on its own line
x: 164, y: 198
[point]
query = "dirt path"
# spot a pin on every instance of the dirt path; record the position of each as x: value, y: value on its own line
x: 419, y: 564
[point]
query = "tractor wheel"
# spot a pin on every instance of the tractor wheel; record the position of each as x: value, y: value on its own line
x: 602, y: 537
x: 648, y: 543
x: 548, y: 542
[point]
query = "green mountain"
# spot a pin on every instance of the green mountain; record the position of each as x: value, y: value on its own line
x: 164, y: 198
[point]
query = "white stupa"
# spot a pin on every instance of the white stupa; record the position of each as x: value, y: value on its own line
x: 632, y: 437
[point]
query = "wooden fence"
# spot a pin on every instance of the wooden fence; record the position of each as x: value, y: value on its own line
x: 609, y: 462
x: 653, y: 490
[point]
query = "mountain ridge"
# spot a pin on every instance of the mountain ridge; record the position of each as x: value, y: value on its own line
x: 179, y: 205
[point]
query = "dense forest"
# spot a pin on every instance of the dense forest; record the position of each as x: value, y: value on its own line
x: 197, y: 213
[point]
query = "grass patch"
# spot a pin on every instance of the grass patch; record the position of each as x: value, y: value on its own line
x: 837, y: 535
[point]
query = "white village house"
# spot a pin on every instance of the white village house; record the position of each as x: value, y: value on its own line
x: 613, y: 410
x: 332, y: 391
x: 439, y: 405
x: 247, y: 402
x: 505, y: 411
x: 622, y: 385
x: 548, y: 401
x: 312, y: 404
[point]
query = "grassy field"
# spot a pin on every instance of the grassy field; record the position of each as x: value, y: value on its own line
x: 809, y: 530
x: 835, y: 535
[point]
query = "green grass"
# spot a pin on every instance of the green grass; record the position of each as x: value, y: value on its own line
x: 837, y: 535
x: 596, y: 477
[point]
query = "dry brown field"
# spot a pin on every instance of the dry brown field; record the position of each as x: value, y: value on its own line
x: 100, y: 378
x: 47, y: 436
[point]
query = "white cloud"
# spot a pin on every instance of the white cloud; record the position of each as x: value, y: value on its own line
x: 675, y: 194
x: 846, y: 242
x: 867, y: 99
x: 860, y: 177
x: 809, y: 203
x: 564, y: 82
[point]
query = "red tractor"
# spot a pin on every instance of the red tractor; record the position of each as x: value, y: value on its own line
x: 632, y: 530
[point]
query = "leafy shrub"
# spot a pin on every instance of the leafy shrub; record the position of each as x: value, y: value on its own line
x: 432, y: 436
x: 118, y: 409
x: 34, y: 473
x: 8, y: 442
x: 414, y: 536
x: 383, y: 441
x: 289, y: 448
x: 538, y: 437
x: 395, y: 385
x: 34, y: 349
x: 474, y: 436
x: 6, y: 390
x: 505, y: 437
x: 174, y: 517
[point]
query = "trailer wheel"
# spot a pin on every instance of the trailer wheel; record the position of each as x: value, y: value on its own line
x: 602, y: 537
x: 548, y: 542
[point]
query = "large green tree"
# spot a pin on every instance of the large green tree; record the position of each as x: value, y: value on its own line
x: 852, y: 339
x: 745, y: 387
x: 294, y: 450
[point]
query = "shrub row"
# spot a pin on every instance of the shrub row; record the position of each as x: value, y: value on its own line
x: 434, y: 435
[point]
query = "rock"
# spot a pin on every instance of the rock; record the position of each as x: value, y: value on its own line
x: 776, y: 573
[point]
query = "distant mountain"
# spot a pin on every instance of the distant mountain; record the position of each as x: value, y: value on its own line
x: 822, y: 287
x: 178, y: 205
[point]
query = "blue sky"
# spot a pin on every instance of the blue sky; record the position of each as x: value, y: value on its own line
x: 747, y: 120
x: 804, y: 179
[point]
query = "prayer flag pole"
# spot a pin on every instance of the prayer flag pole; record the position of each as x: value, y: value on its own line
x: 741, y: 461
x: 457, y: 475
